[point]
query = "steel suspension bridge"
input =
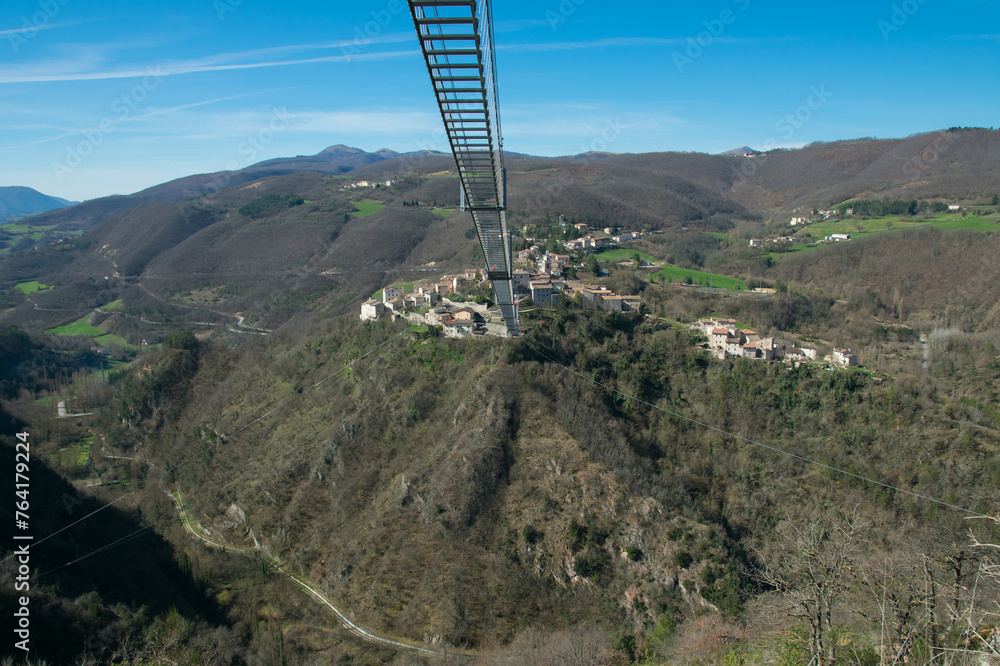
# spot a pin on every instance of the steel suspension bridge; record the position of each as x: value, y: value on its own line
x: 456, y: 37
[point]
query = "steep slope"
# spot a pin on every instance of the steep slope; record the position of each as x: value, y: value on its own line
x: 925, y: 275
x: 199, y: 259
x: 333, y: 160
x: 957, y: 164
x: 432, y: 494
x: 463, y: 490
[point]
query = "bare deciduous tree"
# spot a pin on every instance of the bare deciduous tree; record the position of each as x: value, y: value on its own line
x: 983, y: 613
x: 811, y: 567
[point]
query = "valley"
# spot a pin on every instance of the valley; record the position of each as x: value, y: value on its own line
x: 601, y: 489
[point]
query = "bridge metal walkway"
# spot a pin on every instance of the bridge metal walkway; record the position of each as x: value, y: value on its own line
x: 456, y: 37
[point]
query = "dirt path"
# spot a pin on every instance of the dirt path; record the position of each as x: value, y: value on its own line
x: 360, y: 632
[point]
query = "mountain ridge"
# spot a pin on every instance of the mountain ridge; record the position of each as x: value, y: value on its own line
x: 773, y: 183
x: 18, y: 201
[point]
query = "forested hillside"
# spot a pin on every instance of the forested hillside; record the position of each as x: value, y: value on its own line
x: 472, y: 491
x: 599, y: 490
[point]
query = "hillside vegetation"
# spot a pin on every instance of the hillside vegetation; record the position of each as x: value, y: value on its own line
x: 600, y: 490
x: 471, y: 490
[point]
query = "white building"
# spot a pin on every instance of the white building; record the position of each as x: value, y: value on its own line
x: 844, y: 358
x: 392, y: 293
x: 541, y: 293
x: 372, y: 309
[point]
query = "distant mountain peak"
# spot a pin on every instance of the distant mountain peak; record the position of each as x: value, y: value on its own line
x: 18, y: 201
x: 740, y: 152
x: 341, y: 149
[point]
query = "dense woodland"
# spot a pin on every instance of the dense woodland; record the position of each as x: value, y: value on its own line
x: 491, y: 487
x: 600, y: 490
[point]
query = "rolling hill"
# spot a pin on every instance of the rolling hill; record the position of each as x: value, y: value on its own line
x: 599, y: 490
x: 169, y: 245
x: 954, y: 163
x: 17, y: 202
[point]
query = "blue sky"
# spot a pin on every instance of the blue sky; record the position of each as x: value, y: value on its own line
x: 113, y: 97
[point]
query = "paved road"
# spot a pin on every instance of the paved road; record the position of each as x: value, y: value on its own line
x: 358, y: 631
x: 64, y: 413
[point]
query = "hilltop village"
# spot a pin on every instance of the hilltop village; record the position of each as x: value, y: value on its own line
x: 429, y: 303
x: 727, y: 338
x: 539, y: 280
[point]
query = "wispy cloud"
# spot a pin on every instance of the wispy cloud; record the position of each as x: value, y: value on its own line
x: 364, y: 122
x: 993, y: 37
x: 607, y: 42
x: 626, y: 42
x: 589, y: 126
x: 31, y: 29
x: 65, y: 70
x: 134, y: 118
x: 515, y: 25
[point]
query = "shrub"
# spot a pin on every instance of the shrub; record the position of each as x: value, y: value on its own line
x: 270, y: 204
x: 588, y: 565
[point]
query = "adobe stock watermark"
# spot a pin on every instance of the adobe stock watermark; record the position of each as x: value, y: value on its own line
x: 786, y: 127
x: 253, y: 144
x: 122, y: 108
x: 612, y: 131
x: 366, y: 34
x: 714, y: 29
x: 929, y: 155
x: 249, y: 148
x: 899, y: 17
x: 223, y: 7
x: 47, y: 10
x: 562, y: 12
x: 794, y: 121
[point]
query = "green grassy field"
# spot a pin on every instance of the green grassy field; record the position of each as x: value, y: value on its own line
x: 366, y: 208
x: 109, y: 339
x: 623, y: 254
x: 113, y: 305
x: 110, y: 366
x: 444, y: 212
x: 877, y: 225
x: 79, y: 327
x: 676, y: 274
x: 861, y: 228
x: 20, y: 232
x: 974, y: 223
x: 28, y: 288
x: 82, y: 326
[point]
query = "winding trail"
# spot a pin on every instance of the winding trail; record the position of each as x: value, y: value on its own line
x: 239, y: 318
x: 353, y: 628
